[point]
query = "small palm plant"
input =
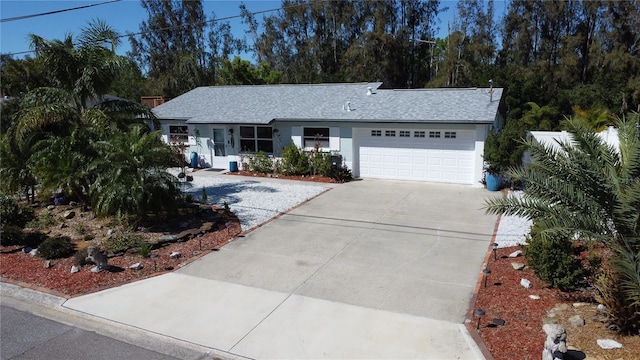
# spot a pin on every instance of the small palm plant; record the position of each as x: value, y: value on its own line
x: 588, y: 188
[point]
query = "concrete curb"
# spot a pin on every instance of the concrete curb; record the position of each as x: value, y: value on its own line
x: 52, y: 307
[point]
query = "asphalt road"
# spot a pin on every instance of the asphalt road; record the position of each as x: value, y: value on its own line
x: 27, y: 336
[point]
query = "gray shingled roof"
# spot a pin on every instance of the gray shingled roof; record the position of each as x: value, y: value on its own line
x: 262, y: 104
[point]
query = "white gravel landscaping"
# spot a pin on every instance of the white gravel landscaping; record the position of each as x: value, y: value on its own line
x: 512, y: 230
x: 253, y: 201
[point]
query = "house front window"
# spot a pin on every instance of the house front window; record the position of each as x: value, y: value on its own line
x: 316, y: 138
x: 256, y: 138
x: 178, y: 133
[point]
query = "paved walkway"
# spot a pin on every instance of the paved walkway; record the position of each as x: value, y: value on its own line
x: 369, y: 269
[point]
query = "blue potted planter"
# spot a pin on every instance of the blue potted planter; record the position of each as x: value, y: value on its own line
x: 493, y: 181
x: 194, y: 159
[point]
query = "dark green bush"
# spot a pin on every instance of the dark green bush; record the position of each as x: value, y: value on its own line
x: 341, y: 173
x: 34, y: 238
x: 294, y: 161
x: 55, y: 248
x: 553, y: 260
x: 11, y: 213
x: 11, y: 235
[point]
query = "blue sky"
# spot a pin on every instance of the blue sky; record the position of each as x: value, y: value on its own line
x: 124, y: 16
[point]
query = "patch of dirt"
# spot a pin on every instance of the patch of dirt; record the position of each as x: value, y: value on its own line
x: 521, y: 336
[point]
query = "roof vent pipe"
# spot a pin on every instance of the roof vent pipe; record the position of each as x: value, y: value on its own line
x: 490, y: 90
x: 369, y: 90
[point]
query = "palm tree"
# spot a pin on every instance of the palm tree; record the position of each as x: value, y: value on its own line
x: 69, y: 128
x: 584, y: 186
x: 587, y: 188
x: 139, y: 182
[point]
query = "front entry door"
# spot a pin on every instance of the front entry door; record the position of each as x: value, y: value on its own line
x: 219, y: 150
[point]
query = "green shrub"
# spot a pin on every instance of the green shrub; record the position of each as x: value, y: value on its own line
x: 55, y: 248
x: 552, y: 260
x: 11, y: 235
x: 320, y: 163
x: 34, y: 238
x: 341, y: 173
x: 144, y: 250
x: 12, y: 213
x: 260, y: 162
x: 121, y: 243
x: 294, y: 161
x: 44, y: 221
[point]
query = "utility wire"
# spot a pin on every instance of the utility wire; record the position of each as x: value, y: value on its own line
x: 54, y: 12
x: 172, y: 27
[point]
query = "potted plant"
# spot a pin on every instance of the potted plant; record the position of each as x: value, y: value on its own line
x: 492, y: 177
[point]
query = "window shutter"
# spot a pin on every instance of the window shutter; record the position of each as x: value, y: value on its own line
x: 296, y: 135
x: 334, y: 138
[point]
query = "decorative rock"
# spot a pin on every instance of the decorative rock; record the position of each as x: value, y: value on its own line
x: 579, y: 304
x: 561, y: 307
x: 515, y: 254
x: 74, y: 269
x: 167, y: 238
x: 518, y: 266
x: 47, y: 264
x: 576, y: 321
x: 555, y: 346
x: 549, y: 320
x: 69, y: 214
x: 51, y: 207
x: 63, y: 225
x: 196, y: 252
x: 207, y: 226
x: 136, y: 266
x: 526, y: 283
x: 175, y: 255
x: 534, y: 297
x: 109, y: 232
x: 601, y: 307
x: 609, y: 344
x: 96, y: 269
x: 33, y: 252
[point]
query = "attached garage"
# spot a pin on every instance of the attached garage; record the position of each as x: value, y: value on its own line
x: 417, y: 154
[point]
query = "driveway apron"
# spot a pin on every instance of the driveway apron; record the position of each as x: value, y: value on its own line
x: 369, y: 269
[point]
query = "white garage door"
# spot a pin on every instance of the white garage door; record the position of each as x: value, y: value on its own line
x: 424, y: 155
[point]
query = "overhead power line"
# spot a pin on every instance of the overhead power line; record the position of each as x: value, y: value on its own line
x: 172, y: 27
x: 54, y: 12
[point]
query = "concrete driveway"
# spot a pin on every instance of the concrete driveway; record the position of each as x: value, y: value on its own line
x: 369, y: 269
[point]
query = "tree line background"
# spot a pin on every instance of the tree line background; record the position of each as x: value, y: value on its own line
x: 553, y: 57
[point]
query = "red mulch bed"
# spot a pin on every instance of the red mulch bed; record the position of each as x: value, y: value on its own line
x: 312, y: 178
x: 504, y: 298
x: 521, y: 336
x: 23, y: 268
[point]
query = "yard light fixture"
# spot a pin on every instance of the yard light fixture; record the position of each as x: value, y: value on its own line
x: 495, y: 250
x: 479, y: 313
x: 486, y: 273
